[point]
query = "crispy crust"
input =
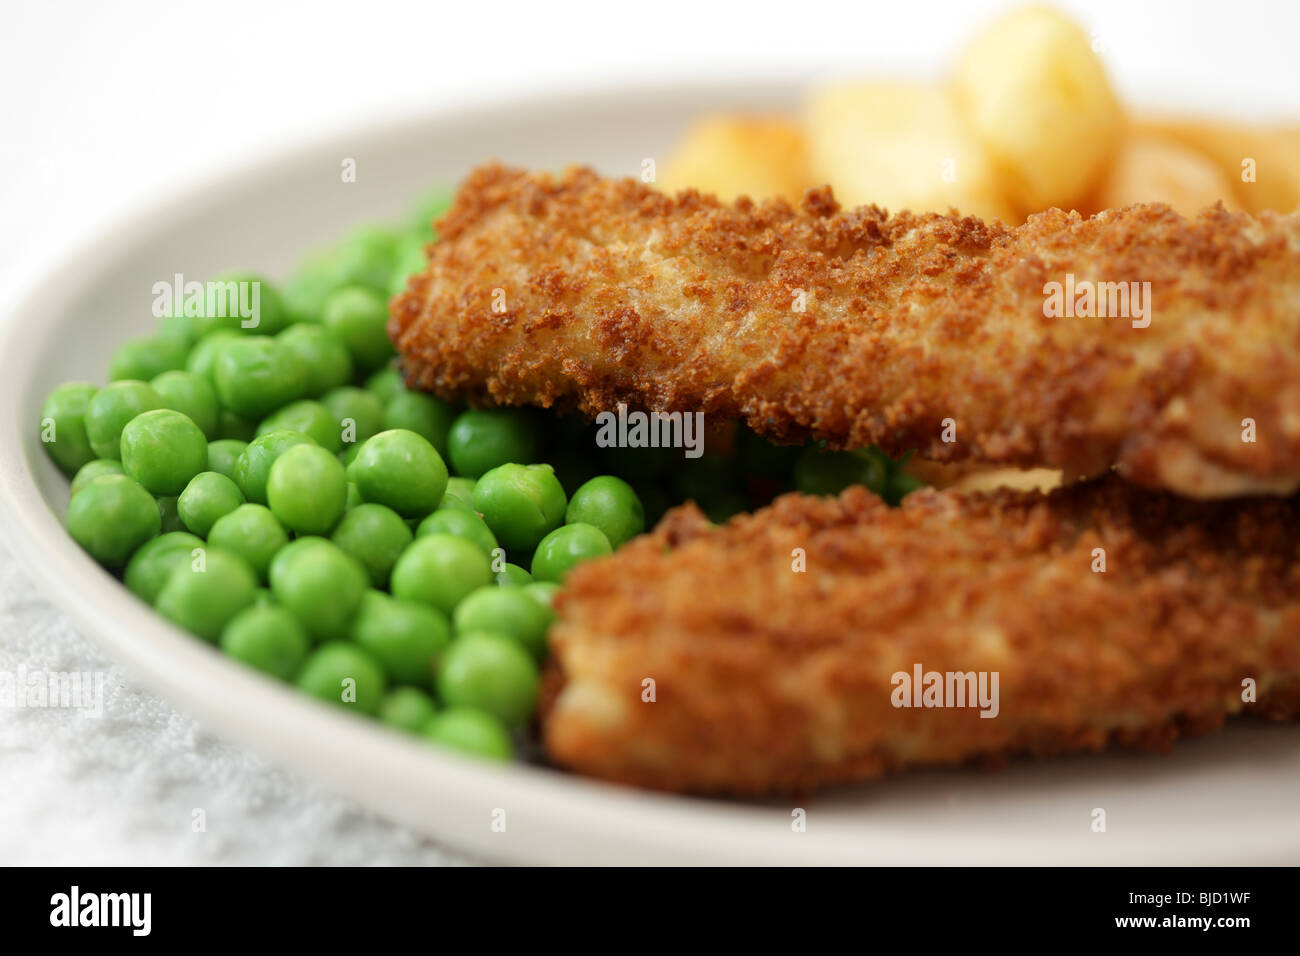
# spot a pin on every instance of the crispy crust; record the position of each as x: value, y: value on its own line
x: 615, y: 293
x: 770, y: 680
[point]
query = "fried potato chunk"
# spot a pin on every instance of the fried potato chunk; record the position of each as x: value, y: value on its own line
x: 1037, y: 97
x: 1262, y: 163
x: 900, y: 146
x: 733, y: 156
x: 1151, y: 169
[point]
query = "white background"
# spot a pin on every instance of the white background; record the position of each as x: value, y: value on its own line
x: 103, y: 106
x: 107, y: 106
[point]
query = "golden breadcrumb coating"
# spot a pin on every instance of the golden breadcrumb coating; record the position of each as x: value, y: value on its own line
x: 575, y: 290
x: 768, y: 679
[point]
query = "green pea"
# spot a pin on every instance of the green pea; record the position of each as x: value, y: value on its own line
x: 204, y: 593
x: 307, y: 489
x: 565, y: 547
x: 320, y: 584
x: 208, y: 497
x: 327, y: 361
x: 430, y: 206
x: 358, y: 315
x: 253, y: 466
x: 470, y: 731
x: 358, y: 414
x: 192, y: 395
x: 223, y: 455
x: 400, y: 469
x: 440, y: 569
x: 609, y: 504
x: 305, y: 293
x: 482, y: 439
x: 460, y: 488
x: 406, y: 637
x: 245, y: 292
x: 407, y: 708
x: 154, y: 561
x: 489, y: 671
x: 461, y: 522
x: 255, y: 375
x: 722, y: 506
x: 179, y: 327
x: 513, y: 576
x: 169, y: 512
x: 111, y: 517
x: 367, y: 255
x: 63, y: 426
x: 268, y: 638
x: 143, y: 359
x: 376, y: 536
x: 543, y: 592
x: 235, y: 427
x: 820, y: 472
x: 900, y: 485
x: 251, y: 532
x: 520, y: 503
x: 163, y: 450
x: 506, y: 611
x: 423, y: 414
x: 451, y: 502
x: 344, y: 674
x: 95, y: 469
x: 202, y: 360
x: 111, y: 408
x: 386, y: 384
x: 273, y: 315
x: 354, y: 496
x: 311, y: 418
x: 410, y: 261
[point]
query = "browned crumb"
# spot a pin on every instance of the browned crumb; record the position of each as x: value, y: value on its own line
x: 606, y: 291
x: 768, y: 679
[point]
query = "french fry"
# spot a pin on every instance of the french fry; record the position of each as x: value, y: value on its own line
x: 1037, y: 97
x: 1151, y: 169
x: 900, y: 146
x: 733, y: 156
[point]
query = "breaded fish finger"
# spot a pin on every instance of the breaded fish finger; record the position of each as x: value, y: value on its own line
x: 701, y: 658
x: 923, y: 332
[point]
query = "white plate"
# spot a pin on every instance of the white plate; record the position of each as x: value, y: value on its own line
x: 1230, y: 798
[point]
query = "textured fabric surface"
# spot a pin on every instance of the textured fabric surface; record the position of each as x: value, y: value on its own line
x: 123, y: 788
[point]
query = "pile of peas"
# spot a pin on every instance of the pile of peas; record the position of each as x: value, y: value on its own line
x: 278, y: 491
